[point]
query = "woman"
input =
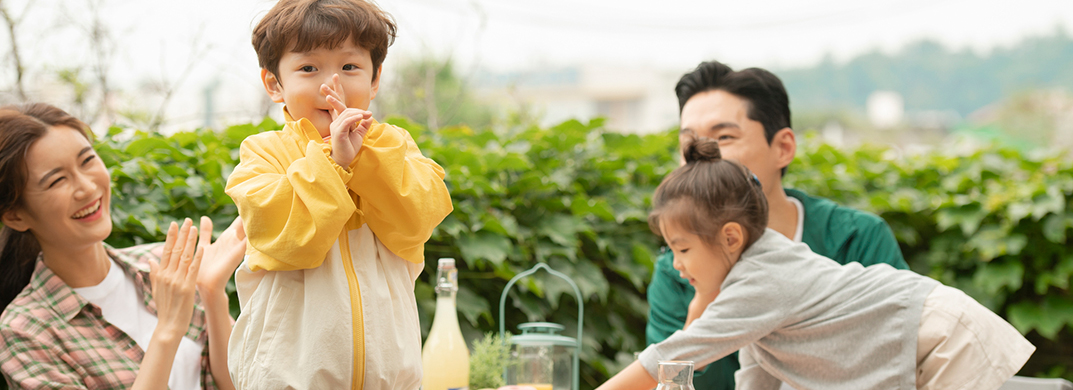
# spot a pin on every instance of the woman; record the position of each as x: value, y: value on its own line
x: 80, y: 314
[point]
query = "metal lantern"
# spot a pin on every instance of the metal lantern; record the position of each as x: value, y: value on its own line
x: 544, y: 359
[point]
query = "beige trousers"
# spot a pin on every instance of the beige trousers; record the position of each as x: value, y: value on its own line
x: 963, y: 345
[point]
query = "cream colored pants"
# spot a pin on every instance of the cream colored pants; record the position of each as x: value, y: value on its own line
x: 963, y: 345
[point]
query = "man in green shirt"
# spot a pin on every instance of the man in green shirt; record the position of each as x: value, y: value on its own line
x: 748, y: 112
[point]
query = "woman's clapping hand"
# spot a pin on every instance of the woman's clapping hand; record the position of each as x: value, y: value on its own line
x: 174, y: 278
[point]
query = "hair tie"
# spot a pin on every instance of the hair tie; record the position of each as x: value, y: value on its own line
x: 757, y: 181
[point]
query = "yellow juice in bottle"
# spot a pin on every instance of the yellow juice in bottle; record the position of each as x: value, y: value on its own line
x: 445, y: 358
x: 537, y: 386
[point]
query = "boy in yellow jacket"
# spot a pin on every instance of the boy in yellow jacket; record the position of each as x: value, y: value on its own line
x: 337, y: 208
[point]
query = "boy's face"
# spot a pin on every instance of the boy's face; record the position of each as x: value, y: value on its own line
x: 302, y: 75
x: 723, y: 117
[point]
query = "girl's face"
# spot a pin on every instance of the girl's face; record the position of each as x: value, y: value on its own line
x: 68, y: 192
x: 704, y: 264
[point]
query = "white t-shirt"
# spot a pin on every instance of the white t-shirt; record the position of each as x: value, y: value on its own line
x: 121, y: 305
x: 799, y: 232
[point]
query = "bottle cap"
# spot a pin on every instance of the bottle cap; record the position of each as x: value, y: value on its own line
x: 447, y: 262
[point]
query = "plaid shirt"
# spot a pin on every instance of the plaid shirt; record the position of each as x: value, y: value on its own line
x: 56, y: 339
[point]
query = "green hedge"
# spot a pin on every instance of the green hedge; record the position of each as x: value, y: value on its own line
x: 990, y: 221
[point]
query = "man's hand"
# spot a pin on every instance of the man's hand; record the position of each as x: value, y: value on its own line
x: 349, y: 125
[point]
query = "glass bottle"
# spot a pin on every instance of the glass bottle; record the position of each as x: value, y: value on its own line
x: 445, y: 358
x: 675, y: 375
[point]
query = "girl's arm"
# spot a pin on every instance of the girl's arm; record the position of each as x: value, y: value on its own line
x: 173, y: 280
x: 697, y: 306
x: 222, y: 257
x: 634, y: 377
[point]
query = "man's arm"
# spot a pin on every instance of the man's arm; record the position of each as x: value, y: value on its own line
x: 668, y: 300
x: 874, y: 244
x: 403, y: 196
x: 292, y: 211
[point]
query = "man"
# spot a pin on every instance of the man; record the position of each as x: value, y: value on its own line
x: 748, y: 112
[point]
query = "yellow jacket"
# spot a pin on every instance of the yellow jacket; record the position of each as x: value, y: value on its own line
x: 318, y: 232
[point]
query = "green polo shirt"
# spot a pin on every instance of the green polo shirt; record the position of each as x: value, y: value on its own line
x: 840, y: 233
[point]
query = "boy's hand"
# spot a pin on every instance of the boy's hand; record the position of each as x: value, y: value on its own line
x: 349, y: 125
x: 221, y: 257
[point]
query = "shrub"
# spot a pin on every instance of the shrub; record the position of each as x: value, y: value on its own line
x: 990, y: 221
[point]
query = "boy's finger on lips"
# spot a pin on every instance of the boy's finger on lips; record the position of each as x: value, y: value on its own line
x: 336, y: 104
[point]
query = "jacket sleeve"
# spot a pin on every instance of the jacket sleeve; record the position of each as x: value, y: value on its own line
x: 752, y: 376
x: 747, y: 308
x: 402, y: 193
x: 292, y: 213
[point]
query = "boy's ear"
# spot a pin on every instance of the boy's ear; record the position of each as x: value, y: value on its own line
x: 733, y: 237
x: 272, y: 85
x: 784, y: 144
x: 14, y: 219
x: 376, y: 83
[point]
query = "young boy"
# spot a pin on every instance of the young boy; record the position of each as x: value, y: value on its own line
x: 337, y: 209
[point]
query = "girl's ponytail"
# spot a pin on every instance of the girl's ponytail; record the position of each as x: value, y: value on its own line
x: 708, y: 192
x: 702, y: 152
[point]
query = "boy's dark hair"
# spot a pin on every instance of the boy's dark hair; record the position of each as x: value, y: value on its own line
x: 707, y: 193
x: 762, y: 91
x: 303, y: 25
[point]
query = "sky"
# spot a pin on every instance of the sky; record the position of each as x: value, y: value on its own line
x: 195, y: 44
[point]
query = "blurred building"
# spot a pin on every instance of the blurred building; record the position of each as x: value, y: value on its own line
x: 632, y: 99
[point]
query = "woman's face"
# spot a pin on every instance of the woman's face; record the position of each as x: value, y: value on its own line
x: 68, y: 192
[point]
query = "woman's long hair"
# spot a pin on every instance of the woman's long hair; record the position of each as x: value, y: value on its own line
x: 20, y: 127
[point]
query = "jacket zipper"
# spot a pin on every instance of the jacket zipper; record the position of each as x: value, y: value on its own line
x: 355, y: 312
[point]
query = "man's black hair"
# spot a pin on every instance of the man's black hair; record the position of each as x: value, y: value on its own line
x: 763, y: 92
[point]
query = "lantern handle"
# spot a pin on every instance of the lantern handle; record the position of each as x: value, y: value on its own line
x: 580, y: 311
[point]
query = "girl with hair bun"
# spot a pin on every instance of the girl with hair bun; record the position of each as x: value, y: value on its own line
x: 76, y: 313
x: 801, y: 318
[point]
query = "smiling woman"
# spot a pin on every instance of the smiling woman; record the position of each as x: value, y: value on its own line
x: 77, y: 313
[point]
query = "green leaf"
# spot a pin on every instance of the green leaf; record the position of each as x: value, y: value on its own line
x: 967, y: 217
x: 1054, y: 228
x: 561, y: 229
x: 473, y: 306
x: 1047, y: 319
x: 484, y: 245
x: 993, y: 241
x: 500, y: 223
x: 143, y: 146
x: 993, y: 276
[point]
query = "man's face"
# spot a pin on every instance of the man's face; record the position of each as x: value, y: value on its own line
x: 302, y: 77
x: 723, y: 117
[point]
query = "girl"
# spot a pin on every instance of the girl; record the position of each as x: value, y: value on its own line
x: 803, y: 319
x: 78, y: 314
